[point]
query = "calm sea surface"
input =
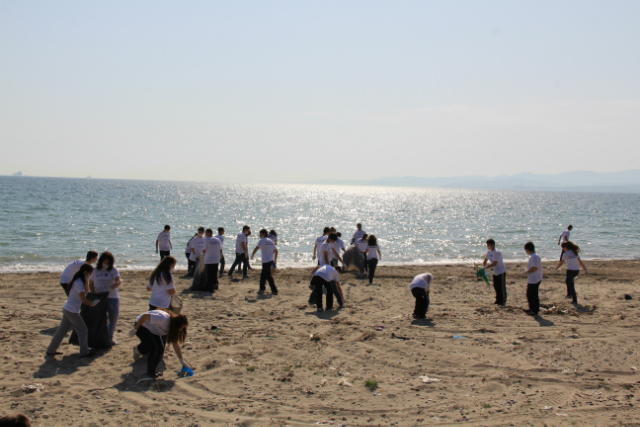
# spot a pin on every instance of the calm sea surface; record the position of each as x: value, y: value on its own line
x: 47, y: 222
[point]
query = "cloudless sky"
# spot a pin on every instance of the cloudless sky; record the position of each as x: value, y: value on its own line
x: 290, y: 91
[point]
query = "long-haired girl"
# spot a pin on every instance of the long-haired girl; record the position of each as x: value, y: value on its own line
x: 106, y: 278
x: 572, y: 258
x: 161, y: 284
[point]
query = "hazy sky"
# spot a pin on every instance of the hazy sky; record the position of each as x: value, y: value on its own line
x: 289, y: 91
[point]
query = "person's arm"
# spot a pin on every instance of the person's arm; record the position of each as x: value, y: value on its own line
x: 315, y: 248
x: 337, y: 255
x: 170, y: 244
x: 245, y: 248
x: 379, y: 255
x: 85, y: 301
x: 559, y: 265
x: 325, y: 254
x: 582, y: 265
x: 531, y: 270
x: 92, y: 287
x: 145, y: 317
x: 559, y: 239
x: 156, y: 245
x: 149, y: 286
x: 117, y: 283
x: 484, y: 262
x: 340, y: 291
x: 254, y: 251
x: 275, y: 256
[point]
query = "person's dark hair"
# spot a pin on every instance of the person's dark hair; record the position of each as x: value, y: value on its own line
x: 326, y: 230
x: 84, y: 269
x: 167, y: 227
x: 358, y: 225
x: 161, y: 273
x: 200, y: 229
x: 529, y: 246
x: 176, y: 322
x: 372, y: 240
x: 106, y: 257
x: 249, y: 233
x: 339, y: 234
x: 264, y: 232
x: 17, y: 420
x: 220, y: 230
x: 332, y: 230
x: 338, y: 269
x: 209, y: 231
x: 273, y: 233
x: 91, y: 255
x: 332, y: 236
x: 192, y: 237
x: 572, y: 247
x: 491, y: 242
x: 364, y: 236
x: 245, y: 228
x: 570, y: 227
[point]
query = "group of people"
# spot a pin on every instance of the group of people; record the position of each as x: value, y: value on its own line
x: 159, y: 325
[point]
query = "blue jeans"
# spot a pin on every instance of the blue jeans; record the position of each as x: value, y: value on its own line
x: 113, y: 311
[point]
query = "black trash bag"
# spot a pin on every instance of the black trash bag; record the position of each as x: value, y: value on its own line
x: 96, y: 320
x: 199, y: 276
x: 353, y: 260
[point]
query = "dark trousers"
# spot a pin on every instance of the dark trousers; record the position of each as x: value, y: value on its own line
x: 190, y: 265
x: 221, y: 265
x: 571, y: 285
x: 65, y: 286
x: 320, y: 283
x: 212, y: 277
x: 500, y: 285
x: 373, y: 263
x: 240, y: 258
x: 334, y: 286
x: 533, y: 297
x: 152, y: 307
x: 265, y: 276
x: 422, y: 302
x: 164, y: 254
x: 561, y: 253
x: 366, y: 266
x: 151, y: 346
x: 334, y: 263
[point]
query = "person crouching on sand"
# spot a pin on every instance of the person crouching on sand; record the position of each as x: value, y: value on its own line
x: 323, y: 277
x: 150, y: 327
x: 161, y: 284
x: 420, y: 287
x: 571, y: 257
x: 71, y: 313
x: 534, y: 278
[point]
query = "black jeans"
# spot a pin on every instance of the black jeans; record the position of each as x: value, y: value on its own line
x: 240, y: 258
x: 221, y: 265
x: 319, y: 283
x: 422, y: 302
x: 500, y: 285
x: 152, y: 346
x: 373, y: 263
x: 212, y: 277
x: 152, y: 307
x: 365, y: 262
x: 190, y: 265
x: 265, y: 276
x: 571, y: 285
x: 164, y: 254
x: 533, y: 297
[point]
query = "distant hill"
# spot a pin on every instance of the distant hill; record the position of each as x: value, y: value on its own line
x: 621, y: 182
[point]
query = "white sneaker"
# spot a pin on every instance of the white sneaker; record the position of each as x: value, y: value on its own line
x: 115, y: 343
x: 136, y: 354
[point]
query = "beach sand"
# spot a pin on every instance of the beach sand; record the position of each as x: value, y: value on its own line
x: 275, y: 362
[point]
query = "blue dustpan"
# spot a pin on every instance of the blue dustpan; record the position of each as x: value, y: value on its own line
x: 185, y: 372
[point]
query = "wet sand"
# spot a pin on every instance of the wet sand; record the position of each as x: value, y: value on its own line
x: 274, y: 361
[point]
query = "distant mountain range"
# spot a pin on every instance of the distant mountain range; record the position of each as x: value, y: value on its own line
x: 620, y: 182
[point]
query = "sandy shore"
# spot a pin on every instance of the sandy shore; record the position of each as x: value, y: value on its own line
x: 274, y: 361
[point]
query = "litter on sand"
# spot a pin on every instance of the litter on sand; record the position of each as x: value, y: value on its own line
x: 324, y: 423
x: 459, y: 337
x: 428, y: 380
x: 380, y: 328
x: 398, y: 337
x: 344, y: 381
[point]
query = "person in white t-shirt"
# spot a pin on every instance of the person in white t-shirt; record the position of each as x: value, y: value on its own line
x: 339, y: 247
x: 163, y: 242
x: 359, y: 234
x: 420, y: 287
x: 362, y: 245
x: 564, y: 237
x: 572, y: 258
x: 220, y: 236
x: 373, y: 256
x: 273, y: 236
x: 242, y: 252
x: 495, y: 262
x: 323, y: 276
x: 71, y: 313
x: 269, y: 257
x: 212, y: 254
x: 187, y: 253
x: 74, y: 267
x: 196, y: 245
x: 534, y: 278
x: 319, y: 242
x: 150, y: 327
x: 161, y: 284
x: 106, y: 278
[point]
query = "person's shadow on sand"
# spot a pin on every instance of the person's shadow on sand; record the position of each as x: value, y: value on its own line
x: 424, y: 322
x: 65, y: 366
x: 324, y: 315
x: 138, y: 381
x: 542, y: 321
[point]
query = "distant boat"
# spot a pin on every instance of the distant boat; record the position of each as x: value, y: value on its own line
x: 19, y: 173
x: 89, y: 177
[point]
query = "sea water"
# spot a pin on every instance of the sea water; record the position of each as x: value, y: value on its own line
x: 47, y: 222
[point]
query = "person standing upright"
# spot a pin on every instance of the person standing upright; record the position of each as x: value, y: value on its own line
x: 220, y: 236
x: 564, y: 237
x: 212, y: 252
x: 242, y: 252
x: 373, y: 256
x: 269, y: 257
x: 571, y: 256
x: 196, y: 244
x: 319, y: 242
x: 106, y: 278
x: 494, y: 257
x: 534, y: 278
x: 163, y: 242
x: 359, y: 234
x: 74, y: 267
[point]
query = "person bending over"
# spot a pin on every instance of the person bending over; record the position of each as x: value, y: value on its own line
x: 420, y: 287
x: 323, y: 277
x: 74, y: 267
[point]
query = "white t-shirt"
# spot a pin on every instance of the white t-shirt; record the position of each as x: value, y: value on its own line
x: 158, y: 324
x: 103, y: 279
x: 572, y: 260
x: 327, y: 273
x: 358, y: 235
x: 536, y: 276
x: 74, y: 302
x: 213, y: 248
x: 422, y: 281
x: 338, y: 244
x: 71, y: 270
x: 564, y: 237
x: 196, y: 246
x: 325, y: 247
x: 496, y: 255
x: 273, y: 238
x: 160, y: 293
x: 242, y: 238
x: 372, y: 252
x: 267, y: 247
x: 163, y: 241
x: 362, y: 244
x: 319, y: 241
x: 221, y: 238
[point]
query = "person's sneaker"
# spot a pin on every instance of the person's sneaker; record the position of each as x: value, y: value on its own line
x: 415, y: 316
x: 54, y: 354
x: 320, y: 310
x: 275, y: 294
x: 502, y: 305
x: 246, y: 277
x: 568, y: 296
x: 115, y: 343
x: 260, y: 292
x: 91, y: 353
x: 136, y: 354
